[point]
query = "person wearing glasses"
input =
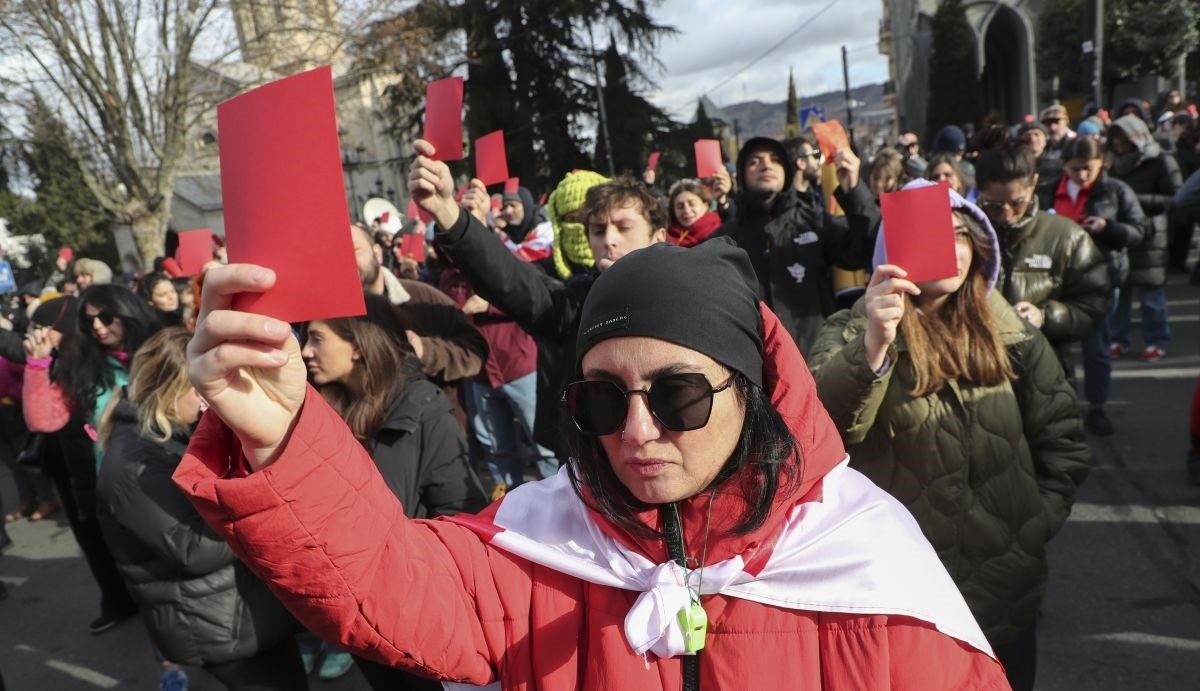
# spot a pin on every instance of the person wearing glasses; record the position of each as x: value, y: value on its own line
x: 64, y: 392
x: 708, y: 533
x: 958, y: 407
x: 1051, y: 270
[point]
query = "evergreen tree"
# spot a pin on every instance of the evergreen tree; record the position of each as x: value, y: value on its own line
x: 636, y: 126
x: 955, y: 94
x: 65, y: 211
x: 791, y: 127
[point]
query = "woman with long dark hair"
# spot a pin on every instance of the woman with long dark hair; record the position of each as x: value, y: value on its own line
x: 689, y: 210
x: 958, y: 407
x: 707, y: 533
x: 65, y: 390
x: 158, y: 290
x: 366, y: 371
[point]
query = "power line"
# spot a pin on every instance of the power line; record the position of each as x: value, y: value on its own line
x: 772, y: 49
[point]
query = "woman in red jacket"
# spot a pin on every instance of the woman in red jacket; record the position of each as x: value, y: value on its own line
x: 708, y: 534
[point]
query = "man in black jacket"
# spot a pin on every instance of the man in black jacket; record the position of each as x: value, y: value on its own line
x: 621, y: 216
x: 792, y: 243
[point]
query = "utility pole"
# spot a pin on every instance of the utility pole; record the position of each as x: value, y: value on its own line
x: 612, y: 169
x: 1098, y: 55
x: 849, y: 110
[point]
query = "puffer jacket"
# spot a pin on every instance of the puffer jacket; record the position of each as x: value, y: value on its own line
x: 422, y: 454
x: 1051, y: 262
x: 1125, y: 224
x: 201, y: 605
x: 794, y: 247
x: 436, y: 598
x: 989, y: 472
x: 1155, y: 178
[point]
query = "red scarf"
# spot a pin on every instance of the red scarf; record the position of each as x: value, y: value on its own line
x: 696, y: 233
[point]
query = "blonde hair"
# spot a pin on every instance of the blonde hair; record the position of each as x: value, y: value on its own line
x: 157, y: 380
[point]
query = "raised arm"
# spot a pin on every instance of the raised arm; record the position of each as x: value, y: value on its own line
x: 279, y: 476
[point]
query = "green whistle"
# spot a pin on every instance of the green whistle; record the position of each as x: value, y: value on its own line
x: 694, y: 621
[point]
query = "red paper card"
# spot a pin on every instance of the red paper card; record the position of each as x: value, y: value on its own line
x: 708, y: 158
x: 491, y: 162
x: 462, y: 190
x: 172, y: 267
x: 66, y: 254
x: 512, y: 185
x: 412, y: 246
x: 415, y: 211
x: 652, y: 162
x: 542, y: 199
x: 497, y: 202
x: 919, y: 232
x: 831, y: 138
x: 285, y: 200
x: 443, y: 118
x: 194, y: 251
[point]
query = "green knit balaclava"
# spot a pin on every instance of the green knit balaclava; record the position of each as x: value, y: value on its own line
x: 570, y: 238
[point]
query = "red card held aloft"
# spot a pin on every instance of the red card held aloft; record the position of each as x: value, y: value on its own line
x: 415, y: 211
x: 171, y: 267
x: 652, y: 162
x: 918, y: 231
x: 512, y: 185
x: 194, y: 251
x: 285, y: 200
x: 412, y: 245
x: 831, y: 138
x: 708, y: 158
x: 491, y: 162
x: 443, y: 118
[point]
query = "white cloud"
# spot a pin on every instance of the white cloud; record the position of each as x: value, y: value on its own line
x: 718, y: 37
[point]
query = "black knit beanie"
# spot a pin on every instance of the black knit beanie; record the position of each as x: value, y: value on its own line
x: 703, y: 298
x: 58, y: 314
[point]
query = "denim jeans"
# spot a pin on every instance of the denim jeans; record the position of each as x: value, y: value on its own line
x: 492, y: 414
x: 1097, y: 364
x: 1155, y: 329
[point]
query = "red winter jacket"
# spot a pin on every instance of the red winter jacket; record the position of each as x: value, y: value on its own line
x: 322, y: 529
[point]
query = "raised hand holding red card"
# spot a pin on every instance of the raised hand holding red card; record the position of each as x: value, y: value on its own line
x: 443, y: 118
x: 652, y: 162
x: 918, y: 232
x: 285, y: 199
x: 831, y: 138
x: 708, y: 158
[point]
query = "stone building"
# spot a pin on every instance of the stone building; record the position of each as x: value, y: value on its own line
x: 1004, y: 36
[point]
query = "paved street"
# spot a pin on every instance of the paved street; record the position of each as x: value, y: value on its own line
x: 1122, y: 611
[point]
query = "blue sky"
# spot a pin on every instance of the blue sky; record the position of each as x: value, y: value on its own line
x: 718, y: 37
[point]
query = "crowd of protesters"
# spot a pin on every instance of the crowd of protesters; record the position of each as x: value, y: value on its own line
x: 510, y: 349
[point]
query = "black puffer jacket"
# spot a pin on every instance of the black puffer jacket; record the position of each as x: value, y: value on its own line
x: 422, y: 455
x: 1155, y: 178
x: 1125, y: 224
x: 200, y: 604
x: 794, y: 246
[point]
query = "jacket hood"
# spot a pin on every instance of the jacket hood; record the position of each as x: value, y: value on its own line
x: 1134, y: 103
x: 1139, y: 135
x: 420, y: 397
x: 793, y: 392
x: 991, y: 267
x: 531, y: 216
x: 773, y: 145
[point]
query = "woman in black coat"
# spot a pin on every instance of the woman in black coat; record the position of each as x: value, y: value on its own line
x: 366, y: 369
x: 200, y: 604
x: 1109, y: 211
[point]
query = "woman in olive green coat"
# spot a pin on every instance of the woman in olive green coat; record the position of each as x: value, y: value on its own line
x: 958, y: 407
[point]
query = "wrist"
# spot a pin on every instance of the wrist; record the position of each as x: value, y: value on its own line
x: 447, y: 214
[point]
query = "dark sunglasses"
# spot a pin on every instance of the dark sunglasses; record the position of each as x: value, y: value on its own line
x: 106, y: 318
x: 680, y: 403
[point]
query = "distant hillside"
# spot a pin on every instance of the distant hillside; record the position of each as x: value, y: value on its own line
x: 755, y: 118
